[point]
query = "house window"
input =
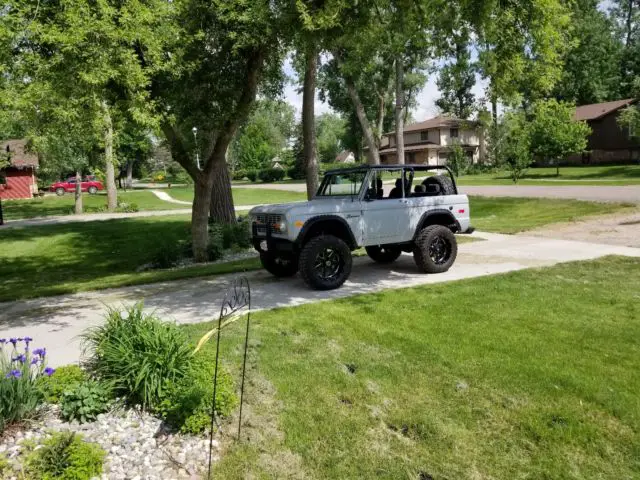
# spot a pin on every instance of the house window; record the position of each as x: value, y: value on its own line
x: 454, y: 133
x: 411, y: 157
x: 424, y: 136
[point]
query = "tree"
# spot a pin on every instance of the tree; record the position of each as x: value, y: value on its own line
x: 626, y: 15
x: 331, y: 130
x: 553, y: 131
x: 515, y: 144
x: 266, y: 133
x: 458, y: 160
x: 629, y: 119
x: 591, y: 72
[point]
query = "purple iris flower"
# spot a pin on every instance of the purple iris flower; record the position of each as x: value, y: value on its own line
x: 20, y: 358
x: 3, y: 341
x: 28, y: 340
x: 14, y: 374
x: 14, y: 340
x: 35, y: 361
x: 49, y: 371
x: 40, y: 351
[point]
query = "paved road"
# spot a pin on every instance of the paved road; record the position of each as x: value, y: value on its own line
x: 629, y: 194
x: 56, y: 322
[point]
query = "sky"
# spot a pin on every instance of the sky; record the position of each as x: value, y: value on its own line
x: 426, y: 107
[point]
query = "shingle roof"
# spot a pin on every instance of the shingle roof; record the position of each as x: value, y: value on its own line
x: 19, y: 156
x: 598, y: 110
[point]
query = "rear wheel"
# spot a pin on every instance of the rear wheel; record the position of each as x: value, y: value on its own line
x: 279, y: 265
x: 325, y: 262
x: 92, y: 190
x: 383, y: 253
x: 60, y: 191
x: 435, y: 249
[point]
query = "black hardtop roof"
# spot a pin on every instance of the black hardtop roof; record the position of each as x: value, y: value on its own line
x: 365, y: 167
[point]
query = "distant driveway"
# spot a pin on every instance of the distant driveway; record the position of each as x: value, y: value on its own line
x: 629, y: 194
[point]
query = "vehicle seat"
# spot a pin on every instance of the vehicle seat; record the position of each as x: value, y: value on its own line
x: 396, y: 192
x: 380, y: 189
x: 419, y: 191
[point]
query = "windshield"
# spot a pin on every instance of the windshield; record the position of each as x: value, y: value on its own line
x: 337, y: 184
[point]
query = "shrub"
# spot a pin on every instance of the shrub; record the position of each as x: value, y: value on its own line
x: 188, y: 402
x: 169, y: 253
x: 268, y: 175
x: 239, y: 175
x: 236, y: 235
x: 124, y: 207
x: 215, y: 249
x: 138, y: 354
x: 65, y: 456
x: 66, y: 378
x: 252, y: 175
x: 85, y: 401
x: 20, y: 371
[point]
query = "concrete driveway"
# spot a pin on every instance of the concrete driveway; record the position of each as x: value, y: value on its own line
x: 56, y: 322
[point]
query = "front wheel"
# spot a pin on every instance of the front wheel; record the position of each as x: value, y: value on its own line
x: 279, y: 265
x: 325, y: 262
x: 435, y: 249
x: 383, y: 254
x: 92, y: 190
x: 59, y: 192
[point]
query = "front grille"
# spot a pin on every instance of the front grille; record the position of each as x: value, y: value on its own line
x: 268, y: 219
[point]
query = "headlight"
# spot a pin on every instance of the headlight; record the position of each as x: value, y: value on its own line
x: 279, y: 227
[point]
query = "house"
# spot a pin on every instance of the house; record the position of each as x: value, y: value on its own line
x: 345, y: 156
x: 429, y: 142
x: 18, y: 179
x: 609, y: 142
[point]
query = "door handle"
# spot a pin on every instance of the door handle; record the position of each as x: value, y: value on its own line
x: 404, y: 200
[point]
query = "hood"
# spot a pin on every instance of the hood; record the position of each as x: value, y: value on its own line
x: 315, y: 206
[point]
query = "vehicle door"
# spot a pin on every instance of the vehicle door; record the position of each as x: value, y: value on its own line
x: 70, y: 185
x: 385, y: 207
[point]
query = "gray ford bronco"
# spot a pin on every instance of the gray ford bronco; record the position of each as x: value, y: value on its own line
x: 387, y: 209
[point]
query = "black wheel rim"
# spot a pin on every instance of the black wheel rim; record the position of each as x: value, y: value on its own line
x: 328, y: 264
x: 439, y: 250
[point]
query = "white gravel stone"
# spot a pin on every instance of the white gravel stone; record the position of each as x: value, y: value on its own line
x: 137, y: 445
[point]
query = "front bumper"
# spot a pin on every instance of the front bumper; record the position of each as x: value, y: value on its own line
x: 263, y: 240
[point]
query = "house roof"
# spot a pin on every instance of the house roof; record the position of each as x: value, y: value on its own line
x: 599, y: 110
x: 19, y: 155
x: 435, y: 122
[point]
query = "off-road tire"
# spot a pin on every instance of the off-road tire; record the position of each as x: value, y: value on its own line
x: 323, y: 249
x: 383, y: 253
x: 445, y: 183
x: 60, y: 192
x: 279, y: 265
x: 92, y: 190
x: 428, y: 245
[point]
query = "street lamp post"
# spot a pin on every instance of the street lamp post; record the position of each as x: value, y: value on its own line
x: 195, y: 138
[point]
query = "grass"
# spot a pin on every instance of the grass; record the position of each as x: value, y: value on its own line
x: 68, y: 258
x: 57, y: 259
x: 245, y: 196
x: 54, y: 205
x: 527, y: 375
x: 576, y: 176
x: 512, y: 215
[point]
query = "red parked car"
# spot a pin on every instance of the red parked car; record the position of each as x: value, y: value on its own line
x: 88, y: 184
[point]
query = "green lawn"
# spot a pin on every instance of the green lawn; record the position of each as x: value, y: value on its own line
x: 512, y: 215
x: 527, y: 375
x: 245, y: 196
x: 599, y: 175
x: 54, y: 205
x: 73, y: 257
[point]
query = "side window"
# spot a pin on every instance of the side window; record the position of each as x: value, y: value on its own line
x: 454, y: 133
x: 424, y: 136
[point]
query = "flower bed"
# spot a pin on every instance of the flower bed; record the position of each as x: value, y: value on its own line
x: 140, y: 408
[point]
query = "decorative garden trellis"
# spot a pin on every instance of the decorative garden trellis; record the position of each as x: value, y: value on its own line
x: 237, y: 302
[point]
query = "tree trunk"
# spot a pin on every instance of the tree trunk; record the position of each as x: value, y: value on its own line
x: 399, y: 109
x: 494, y: 110
x: 129, y: 181
x: 222, y: 209
x: 199, y: 218
x: 629, y: 24
x: 373, y: 156
x: 78, y: 192
x: 309, y: 150
x: 112, y: 191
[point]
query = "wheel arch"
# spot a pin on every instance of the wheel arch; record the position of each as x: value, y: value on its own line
x: 327, y: 225
x: 438, y: 217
